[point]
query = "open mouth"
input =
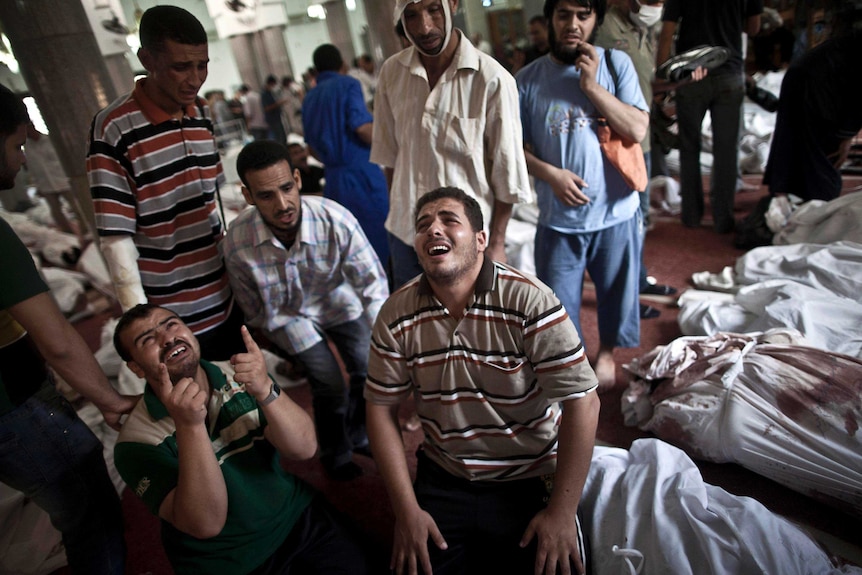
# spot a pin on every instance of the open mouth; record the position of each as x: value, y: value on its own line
x: 175, y: 352
x: 438, y: 249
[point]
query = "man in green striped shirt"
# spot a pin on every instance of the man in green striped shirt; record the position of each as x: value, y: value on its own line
x: 202, y: 448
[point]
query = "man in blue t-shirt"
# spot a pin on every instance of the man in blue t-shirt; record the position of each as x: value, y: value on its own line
x: 589, y: 219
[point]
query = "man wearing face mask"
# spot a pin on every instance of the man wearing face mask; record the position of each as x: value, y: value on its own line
x: 633, y: 26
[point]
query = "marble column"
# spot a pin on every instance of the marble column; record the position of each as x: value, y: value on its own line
x: 66, y: 75
x: 338, y: 26
x: 381, y: 29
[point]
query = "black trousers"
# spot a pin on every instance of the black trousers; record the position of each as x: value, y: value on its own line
x: 481, y: 521
x: 324, y: 542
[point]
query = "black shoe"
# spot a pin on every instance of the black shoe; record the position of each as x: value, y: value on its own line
x: 649, y: 312
x: 344, y: 472
x: 682, y: 65
x: 657, y: 289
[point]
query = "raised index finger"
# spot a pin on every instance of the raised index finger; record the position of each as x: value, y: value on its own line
x: 164, y: 384
x: 250, y: 344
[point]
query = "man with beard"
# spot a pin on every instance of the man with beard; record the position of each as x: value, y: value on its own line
x: 202, y: 449
x: 305, y: 274
x: 445, y: 114
x: 46, y: 451
x: 589, y: 219
x: 506, y: 400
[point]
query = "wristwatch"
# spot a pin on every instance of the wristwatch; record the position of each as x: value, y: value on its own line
x: 274, y: 392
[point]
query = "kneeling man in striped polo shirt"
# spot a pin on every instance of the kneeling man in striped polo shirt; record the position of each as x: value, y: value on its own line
x: 507, y: 402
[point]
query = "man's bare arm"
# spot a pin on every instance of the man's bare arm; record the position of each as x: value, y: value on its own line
x: 289, y: 428
x: 198, y: 504
x: 365, y: 132
x: 500, y: 217
x: 555, y: 526
x: 413, y: 526
x: 69, y: 355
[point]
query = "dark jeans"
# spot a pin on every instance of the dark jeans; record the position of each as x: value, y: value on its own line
x: 722, y: 95
x: 481, y: 521
x: 339, y: 411
x: 51, y: 456
x: 321, y: 542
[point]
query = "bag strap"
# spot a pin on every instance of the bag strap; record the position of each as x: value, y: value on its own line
x: 610, y: 64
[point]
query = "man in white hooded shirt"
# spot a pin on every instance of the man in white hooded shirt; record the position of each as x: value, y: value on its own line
x: 446, y: 114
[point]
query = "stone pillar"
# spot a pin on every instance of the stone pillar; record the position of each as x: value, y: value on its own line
x: 243, y: 53
x: 66, y: 74
x: 120, y: 72
x: 338, y: 26
x: 276, y: 51
x: 381, y: 29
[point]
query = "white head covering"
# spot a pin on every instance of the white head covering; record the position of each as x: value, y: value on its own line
x: 399, y: 15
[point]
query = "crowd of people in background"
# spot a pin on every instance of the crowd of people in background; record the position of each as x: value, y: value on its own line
x: 419, y: 163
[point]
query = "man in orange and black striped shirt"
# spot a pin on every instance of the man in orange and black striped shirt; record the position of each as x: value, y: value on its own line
x: 154, y: 171
x: 507, y: 401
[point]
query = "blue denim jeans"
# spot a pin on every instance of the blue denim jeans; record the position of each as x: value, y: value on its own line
x: 722, y: 96
x: 51, y: 456
x: 339, y: 410
x: 612, y: 257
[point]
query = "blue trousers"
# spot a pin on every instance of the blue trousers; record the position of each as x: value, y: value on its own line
x: 612, y: 257
x: 722, y: 96
x: 339, y: 411
x: 51, y: 456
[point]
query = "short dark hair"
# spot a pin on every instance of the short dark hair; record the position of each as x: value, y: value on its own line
x: 271, y: 79
x: 140, y: 311
x: 327, y: 58
x: 259, y: 155
x: 539, y: 19
x: 471, y: 206
x: 161, y: 23
x: 13, y: 112
x: 597, y: 6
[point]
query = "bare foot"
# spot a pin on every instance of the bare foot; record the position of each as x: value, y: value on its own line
x: 605, y: 369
